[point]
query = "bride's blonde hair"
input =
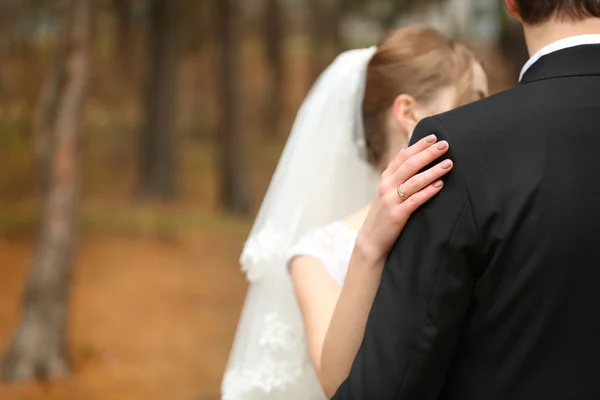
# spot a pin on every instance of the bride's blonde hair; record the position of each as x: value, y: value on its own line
x: 417, y: 61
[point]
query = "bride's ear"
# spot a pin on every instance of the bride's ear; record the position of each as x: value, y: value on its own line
x: 406, y: 113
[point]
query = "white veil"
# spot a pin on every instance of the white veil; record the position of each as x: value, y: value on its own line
x: 322, y: 177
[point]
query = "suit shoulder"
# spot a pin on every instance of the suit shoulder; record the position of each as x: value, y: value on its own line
x: 493, y: 114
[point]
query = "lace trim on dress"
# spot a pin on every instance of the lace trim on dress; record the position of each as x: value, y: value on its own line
x: 267, y: 245
x: 332, y: 245
x: 280, y: 365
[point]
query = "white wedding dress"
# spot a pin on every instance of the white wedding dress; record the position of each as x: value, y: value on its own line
x: 281, y: 375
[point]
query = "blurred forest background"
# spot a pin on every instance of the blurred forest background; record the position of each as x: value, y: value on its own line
x: 137, y: 138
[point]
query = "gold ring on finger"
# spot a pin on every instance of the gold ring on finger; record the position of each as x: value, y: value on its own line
x: 401, y: 193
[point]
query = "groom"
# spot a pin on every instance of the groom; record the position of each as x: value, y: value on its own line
x: 493, y: 290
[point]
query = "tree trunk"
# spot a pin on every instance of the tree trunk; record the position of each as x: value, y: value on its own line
x: 157, y: 142
x: 318, y: 38
x: 273, y: 39
x: 334, y: 21
x: 325, y: 33
x: 234, y: 190
x: 38, y: 348
x: 10, y: 15
x: 124, y: 17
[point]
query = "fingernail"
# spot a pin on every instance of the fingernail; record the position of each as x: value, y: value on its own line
x: 443, y: 145
x: 430, y: 139
x: 438, y: 184
x: 446, y: 164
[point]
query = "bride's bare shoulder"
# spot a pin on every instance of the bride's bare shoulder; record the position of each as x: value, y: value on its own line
x: 356, y: 220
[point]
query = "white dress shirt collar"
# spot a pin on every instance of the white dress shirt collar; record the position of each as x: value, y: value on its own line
x: 560, y: 45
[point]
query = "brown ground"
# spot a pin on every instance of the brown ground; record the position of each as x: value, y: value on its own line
x: 149, y: 320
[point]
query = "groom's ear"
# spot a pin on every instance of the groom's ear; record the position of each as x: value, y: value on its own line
x: 513, y: 8
x: 406, y: 112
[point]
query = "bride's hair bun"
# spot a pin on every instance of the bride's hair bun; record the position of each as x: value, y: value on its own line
x: 416, y: 61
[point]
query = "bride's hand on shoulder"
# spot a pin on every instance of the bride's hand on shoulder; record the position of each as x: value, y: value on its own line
x: 402, y: 190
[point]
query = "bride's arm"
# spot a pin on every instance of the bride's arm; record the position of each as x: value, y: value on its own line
x: 333, y: 333
x: 317, y: 294
x: 334, y: 317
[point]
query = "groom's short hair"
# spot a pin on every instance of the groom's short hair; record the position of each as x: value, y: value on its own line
x: 539, y: 11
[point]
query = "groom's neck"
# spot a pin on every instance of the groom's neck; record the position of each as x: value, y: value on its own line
x: 539, y: 36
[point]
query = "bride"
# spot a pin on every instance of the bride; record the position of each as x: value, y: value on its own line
x: 301, y: 327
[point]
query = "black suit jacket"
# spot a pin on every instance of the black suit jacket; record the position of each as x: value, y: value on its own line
x: 492, y: 292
